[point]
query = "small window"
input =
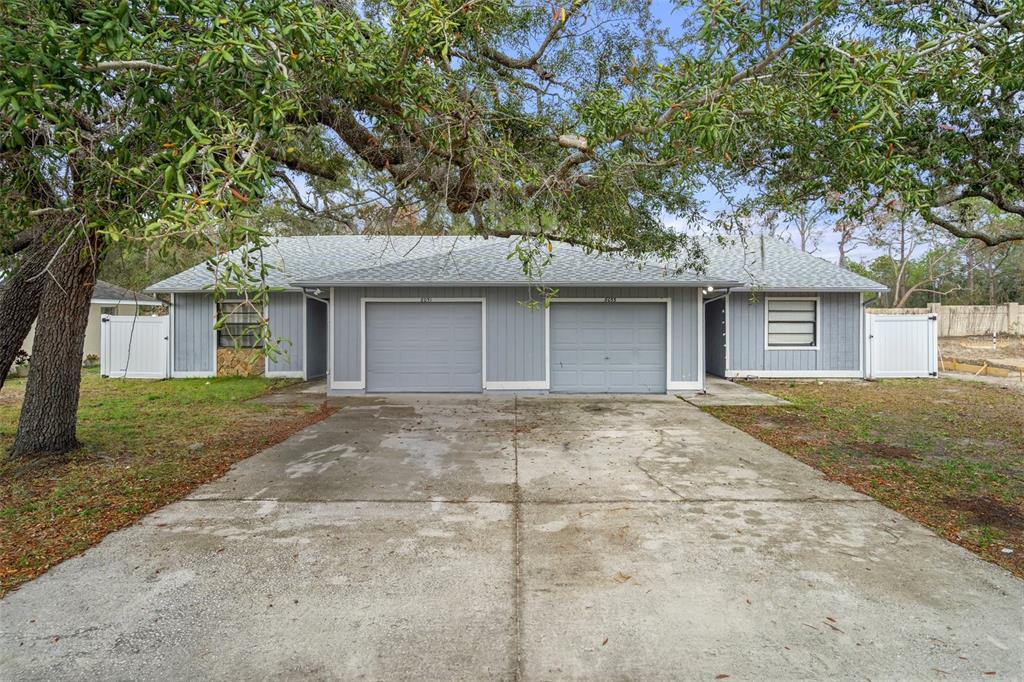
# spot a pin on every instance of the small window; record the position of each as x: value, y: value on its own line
x: 792, y: 322
x: 108, y: 310
x: 241, y: 324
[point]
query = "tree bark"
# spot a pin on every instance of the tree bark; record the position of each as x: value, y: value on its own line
x: 50, y: 410
x: 19, y: 302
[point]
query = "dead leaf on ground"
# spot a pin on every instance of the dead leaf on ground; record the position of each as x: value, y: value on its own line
x: 621, y: 577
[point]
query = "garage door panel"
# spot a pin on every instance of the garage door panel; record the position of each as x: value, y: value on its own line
x: 424, y: 347
x: 608, y: 347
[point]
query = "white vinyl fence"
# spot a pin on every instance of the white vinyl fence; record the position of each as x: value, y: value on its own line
x: 902, y: 346
x: 134, y: 347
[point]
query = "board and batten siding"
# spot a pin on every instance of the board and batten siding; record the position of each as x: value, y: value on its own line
x: 287, y: 329
x: 839, y: 338
x: 516, y: 344
x: 195, y: 344
x: 195, y: 341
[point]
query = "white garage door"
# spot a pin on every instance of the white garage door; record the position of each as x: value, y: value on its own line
x: 608, y: 347
x: 424, y: 347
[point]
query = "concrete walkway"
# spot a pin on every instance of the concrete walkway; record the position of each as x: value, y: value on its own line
x: 718, y: 391
x: 544, y: 538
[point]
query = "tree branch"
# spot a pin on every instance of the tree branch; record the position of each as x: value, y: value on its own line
x: 971, y: 233
x: 126, y: 65
x: 532, y: 62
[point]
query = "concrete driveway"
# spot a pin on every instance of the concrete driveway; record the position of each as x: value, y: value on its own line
x: 530, y: 538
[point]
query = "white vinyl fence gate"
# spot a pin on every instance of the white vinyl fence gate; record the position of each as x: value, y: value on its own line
x: 134, y: 347
x: 902, y: 346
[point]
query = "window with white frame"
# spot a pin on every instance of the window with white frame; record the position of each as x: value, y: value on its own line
x: 241, y: 323
x: 108, y: 310
x: 792, y: 322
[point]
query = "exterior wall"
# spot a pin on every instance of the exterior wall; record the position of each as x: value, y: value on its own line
x: 193, y: 341
x: 316, y: 339
x: 515, y: 331
x: 839, y: 338
x: 287, y: 328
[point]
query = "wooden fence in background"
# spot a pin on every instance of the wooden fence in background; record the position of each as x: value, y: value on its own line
x: 968, y: 320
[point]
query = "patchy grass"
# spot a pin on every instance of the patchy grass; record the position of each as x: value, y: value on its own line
x: 145, y: 444
x: 946, y: 453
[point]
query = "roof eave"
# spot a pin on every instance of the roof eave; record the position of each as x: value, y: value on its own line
x: 482, y: 283
x: 833, y: 289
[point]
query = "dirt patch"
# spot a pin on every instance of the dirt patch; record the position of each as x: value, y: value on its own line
x: 886, y: 451
x: 983, y: 347
x: 985, y: 511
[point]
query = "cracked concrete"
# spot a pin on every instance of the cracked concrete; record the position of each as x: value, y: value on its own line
x: 518, y: 538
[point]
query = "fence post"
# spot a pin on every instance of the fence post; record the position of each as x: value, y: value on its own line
x: 1014, y: 318
x: 941, y: 322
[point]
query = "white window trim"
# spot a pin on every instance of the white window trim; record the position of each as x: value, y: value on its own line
x: 361, y: 383
x: 817, y: 322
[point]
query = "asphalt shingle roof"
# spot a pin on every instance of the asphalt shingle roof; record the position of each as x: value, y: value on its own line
x: 487, y: 263
x: 769, y: 263
x: 301, y: 258
x: 355, y: 260
x: 105, y: 291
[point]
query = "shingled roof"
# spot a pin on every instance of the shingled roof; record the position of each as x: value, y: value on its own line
x: 105, y: 292
x: 356, y: 260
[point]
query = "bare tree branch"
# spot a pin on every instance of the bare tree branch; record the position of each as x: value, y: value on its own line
x: 126, y: 65
x: 971, y: 233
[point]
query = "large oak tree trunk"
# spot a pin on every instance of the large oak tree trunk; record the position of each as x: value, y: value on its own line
x: 50, y: 409
x: 19, y: 302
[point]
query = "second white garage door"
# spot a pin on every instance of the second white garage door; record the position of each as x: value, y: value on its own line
x: 608, y: 347
x: 424, y: 347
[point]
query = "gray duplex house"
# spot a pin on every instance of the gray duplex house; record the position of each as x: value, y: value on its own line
x: 456, y: 314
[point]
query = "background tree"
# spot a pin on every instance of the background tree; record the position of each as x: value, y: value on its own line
x: 125, y: 122
x: 168, y: 122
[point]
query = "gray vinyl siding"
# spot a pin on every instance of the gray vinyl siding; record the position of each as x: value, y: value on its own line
x: 515, y: 335
x: 286, y: 328
x: 316, y: 339
x: 515, y: 331
x: 194, y: 344
x: 838, y: 338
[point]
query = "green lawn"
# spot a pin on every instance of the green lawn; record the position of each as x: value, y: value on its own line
x: 947, y: 453
x: 145, y: 444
